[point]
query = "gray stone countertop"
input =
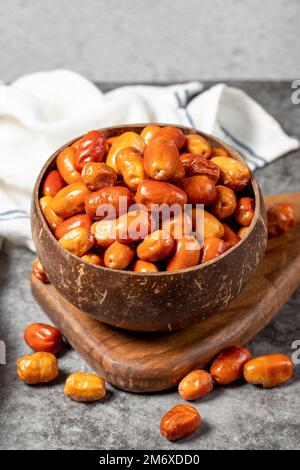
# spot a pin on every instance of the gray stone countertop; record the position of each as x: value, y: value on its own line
x: 239, y: 416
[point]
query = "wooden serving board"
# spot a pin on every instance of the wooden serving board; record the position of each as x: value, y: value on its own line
x: 144, y: 362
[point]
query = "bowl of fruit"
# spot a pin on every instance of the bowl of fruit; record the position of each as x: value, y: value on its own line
x: 148, y: 227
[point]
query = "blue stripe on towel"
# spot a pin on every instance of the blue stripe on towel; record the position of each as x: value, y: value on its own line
x: 244, y: 146
x: 256, y: 160
x: 180, y: 104
x: 14, y: 214
x: 15, y: 211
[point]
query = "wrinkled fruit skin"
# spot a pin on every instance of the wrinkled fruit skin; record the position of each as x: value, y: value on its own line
x: 228, y: 366
x: 98, y: 175
x: 40, y: 367
x: 42, y: 337
x: 128, y: 139
x: 224, y: 204
x: 91, y: 148
x: 130, y: 164
x: 179, y: 173
x: 198, y: 165
x: 269, y: 371
x: 180, y: 422
x: 244, y: 211
x: 233, y: 173
x: 195, y: 385
x: 161, y: 159
x: 84, y: 387
x: 281, y: 218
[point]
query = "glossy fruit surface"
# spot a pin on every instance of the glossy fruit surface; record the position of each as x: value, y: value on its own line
x: 180, y: 422
x: 269, y: 371
x: 43, y: 337
x: 228, y: 366
x: 196, y: 385
x: 40, y: 367
x: 85, y: 387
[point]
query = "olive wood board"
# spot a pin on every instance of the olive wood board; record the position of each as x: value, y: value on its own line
x: 147, y: 362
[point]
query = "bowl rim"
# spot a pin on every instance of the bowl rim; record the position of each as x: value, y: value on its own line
x: 191, y: 130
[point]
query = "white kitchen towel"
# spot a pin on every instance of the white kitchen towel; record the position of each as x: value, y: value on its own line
x: 42, y: 111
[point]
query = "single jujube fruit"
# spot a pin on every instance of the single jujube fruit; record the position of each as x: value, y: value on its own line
x: 180, y: 422
x: 161, y: 159
x: 42, y: 337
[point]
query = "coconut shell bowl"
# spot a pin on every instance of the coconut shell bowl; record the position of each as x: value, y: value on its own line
x: 160, y: 301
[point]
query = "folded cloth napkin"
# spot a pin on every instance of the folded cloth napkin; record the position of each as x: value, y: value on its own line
x: 42, y: 111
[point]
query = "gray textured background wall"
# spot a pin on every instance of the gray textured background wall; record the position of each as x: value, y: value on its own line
x: 146, y: 40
